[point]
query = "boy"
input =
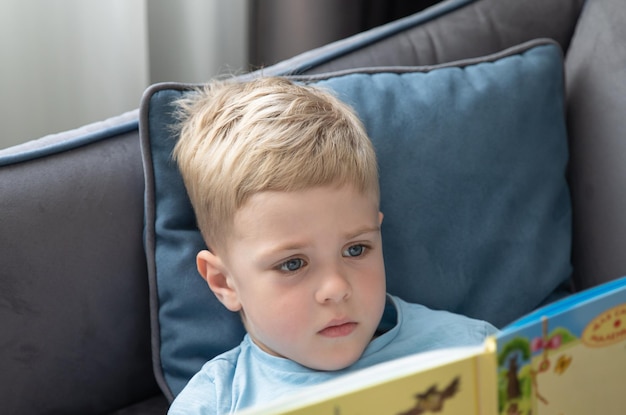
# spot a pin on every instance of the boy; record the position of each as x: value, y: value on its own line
x: 284, y: 183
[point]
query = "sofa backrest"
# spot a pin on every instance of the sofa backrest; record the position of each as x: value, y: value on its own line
x: 596, y: 93
x: 470, y: 29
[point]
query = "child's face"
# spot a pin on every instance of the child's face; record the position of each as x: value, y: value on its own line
x: 306, y: 270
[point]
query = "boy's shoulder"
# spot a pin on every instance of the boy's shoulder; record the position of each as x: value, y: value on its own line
x: 205, y: 390
x: 223, y: 365
x: 223, y: 383
x: 444, y: 328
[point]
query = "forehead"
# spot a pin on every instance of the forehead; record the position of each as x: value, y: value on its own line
x: 272, y: 212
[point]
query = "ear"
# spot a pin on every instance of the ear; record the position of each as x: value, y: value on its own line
x: 215, y: 273
x: 380, y: 218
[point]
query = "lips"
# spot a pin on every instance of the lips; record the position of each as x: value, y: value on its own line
x: 338, y: 328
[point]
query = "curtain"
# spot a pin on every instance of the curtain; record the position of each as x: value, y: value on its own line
x: 280, y: 29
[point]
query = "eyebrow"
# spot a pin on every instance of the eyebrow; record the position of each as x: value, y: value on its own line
x: 279, y: 248
x: 297, y: 245
x: 362, y: 231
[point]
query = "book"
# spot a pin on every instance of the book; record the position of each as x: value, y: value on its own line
x: 567, y: 358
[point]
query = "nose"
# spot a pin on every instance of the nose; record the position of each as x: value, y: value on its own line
x: 333, y: 287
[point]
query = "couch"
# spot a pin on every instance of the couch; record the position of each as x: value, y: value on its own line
x: 75, y: 294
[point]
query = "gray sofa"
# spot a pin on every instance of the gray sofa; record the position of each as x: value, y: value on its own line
x: 74, y: 291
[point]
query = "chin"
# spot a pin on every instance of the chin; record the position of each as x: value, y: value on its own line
x: 333, y: 365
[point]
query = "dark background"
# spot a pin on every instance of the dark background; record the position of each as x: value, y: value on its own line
x: 280, y: 29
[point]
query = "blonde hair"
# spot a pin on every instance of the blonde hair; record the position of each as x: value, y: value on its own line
x: 268, y: 134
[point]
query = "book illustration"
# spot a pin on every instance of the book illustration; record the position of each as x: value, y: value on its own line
x: 521, y: 369
x: 607, y: 329
x: 562, y: 364
x: 538, y: 364
x: 430, y: 401
x: 433, y: 400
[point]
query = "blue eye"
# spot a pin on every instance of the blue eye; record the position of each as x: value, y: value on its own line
x: 292, y: 265
x: 354, y: 251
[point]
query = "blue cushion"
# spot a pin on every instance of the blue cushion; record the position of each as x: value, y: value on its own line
x: 472, y: 160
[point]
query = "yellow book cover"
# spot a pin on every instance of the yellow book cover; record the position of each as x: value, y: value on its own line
x: 568, y: 358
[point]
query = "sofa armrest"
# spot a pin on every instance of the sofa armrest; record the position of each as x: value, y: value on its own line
x: 73, y: 287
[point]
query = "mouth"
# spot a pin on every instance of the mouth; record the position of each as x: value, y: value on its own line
x: 338, y: 329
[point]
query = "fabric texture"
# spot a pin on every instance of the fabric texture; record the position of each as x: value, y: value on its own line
x: 472, y: 160
x: 247, y: 375
x: 74, y: 315
x: 475, y: 29
x: 596, y: 85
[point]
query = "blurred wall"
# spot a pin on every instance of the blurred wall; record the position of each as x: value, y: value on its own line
x: 66, y: 63
x: 194, y: 40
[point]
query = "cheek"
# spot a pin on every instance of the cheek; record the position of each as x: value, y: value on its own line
x: 374, y: 270
x: 281, y: 313
x: 373, y: 285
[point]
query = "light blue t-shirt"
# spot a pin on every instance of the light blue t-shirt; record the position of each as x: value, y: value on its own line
x: 247, y: 375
